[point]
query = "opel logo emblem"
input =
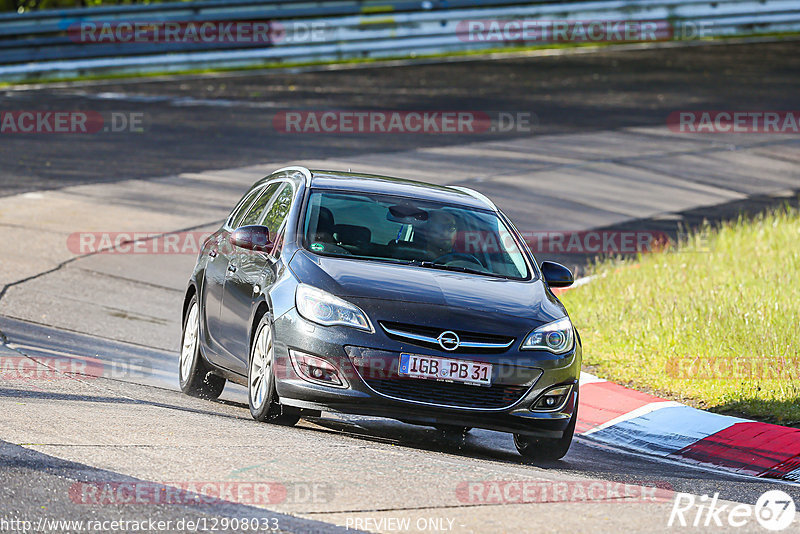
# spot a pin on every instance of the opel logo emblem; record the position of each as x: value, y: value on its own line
x: 448, y: 340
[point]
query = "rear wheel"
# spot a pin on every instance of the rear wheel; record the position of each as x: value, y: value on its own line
x: 194, y: 375
x: 263, y: 399
x: 535, y: 448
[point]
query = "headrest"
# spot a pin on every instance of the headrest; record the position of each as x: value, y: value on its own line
x: 325, y: 219
x: 350, y: 234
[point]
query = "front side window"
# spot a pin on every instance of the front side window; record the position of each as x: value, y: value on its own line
x: 279, y: 208
x: 278, y: 243
x: 241, y: 208
x: 257, y: 209
x: 412, y: 231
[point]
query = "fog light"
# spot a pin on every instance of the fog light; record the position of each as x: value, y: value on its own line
x: 553, y: 398
x: 315, y: 369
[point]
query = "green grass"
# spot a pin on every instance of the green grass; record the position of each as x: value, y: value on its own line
x: 713, y: 323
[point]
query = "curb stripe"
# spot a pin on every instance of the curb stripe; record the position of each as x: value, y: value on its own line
x: 667, y: 430
x: 634, y: 414
x: 748, y: 447
x: 619, y: 416
x: 602, y: 402
x: 586, y: 378
x: 793, y: 475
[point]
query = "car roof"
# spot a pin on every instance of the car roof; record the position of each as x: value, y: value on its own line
x: 373, y: 183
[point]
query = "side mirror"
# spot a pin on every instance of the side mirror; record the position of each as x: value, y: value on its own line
x: 252, y: 237
x: 556, y: 275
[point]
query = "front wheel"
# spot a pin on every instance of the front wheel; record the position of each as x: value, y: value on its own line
x: 263, y: 399
x: 534, y: 448
x: 194, y: 375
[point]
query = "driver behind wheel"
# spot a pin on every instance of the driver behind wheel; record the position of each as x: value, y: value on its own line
x: 440, y: 232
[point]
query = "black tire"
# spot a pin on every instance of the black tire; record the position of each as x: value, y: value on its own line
x: 266, y: 407
x: 194, y: 375
x: 533, y: 448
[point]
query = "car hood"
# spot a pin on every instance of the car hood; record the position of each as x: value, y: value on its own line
x: 364, y: 279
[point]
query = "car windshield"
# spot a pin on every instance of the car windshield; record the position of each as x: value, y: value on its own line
x: 417, y: 232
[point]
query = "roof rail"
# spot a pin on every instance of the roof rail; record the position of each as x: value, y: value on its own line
x: 302, y: 170
x: 474, y: 194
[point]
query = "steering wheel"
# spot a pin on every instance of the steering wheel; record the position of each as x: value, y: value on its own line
x: 458, y: 256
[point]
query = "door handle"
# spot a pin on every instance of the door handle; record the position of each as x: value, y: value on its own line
x: 231, y: 268
x: 213, y: 253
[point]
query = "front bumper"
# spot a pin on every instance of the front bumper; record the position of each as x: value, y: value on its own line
x: 368, y: 362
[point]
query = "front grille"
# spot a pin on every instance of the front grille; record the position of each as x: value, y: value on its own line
x: 481, y: 343
x: 448, y: 393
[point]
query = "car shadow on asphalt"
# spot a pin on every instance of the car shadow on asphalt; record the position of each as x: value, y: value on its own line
x: 477, y: 443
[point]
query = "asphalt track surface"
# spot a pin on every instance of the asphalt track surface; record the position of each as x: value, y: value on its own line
x: 137, y: 427
x: 36, y: 483
x: 221, y: 122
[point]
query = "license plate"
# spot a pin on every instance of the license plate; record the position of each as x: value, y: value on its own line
x: 445, y: 369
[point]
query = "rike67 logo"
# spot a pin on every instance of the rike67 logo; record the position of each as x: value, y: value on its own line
x: 774, y: 510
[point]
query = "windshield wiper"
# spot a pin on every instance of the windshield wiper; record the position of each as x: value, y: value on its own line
x: 456, y: 268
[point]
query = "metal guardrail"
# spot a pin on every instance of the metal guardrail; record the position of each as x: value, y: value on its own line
x: 50, y: 44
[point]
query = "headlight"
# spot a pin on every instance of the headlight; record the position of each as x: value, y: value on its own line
x: 323, y: 308
x: 556, y: 337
